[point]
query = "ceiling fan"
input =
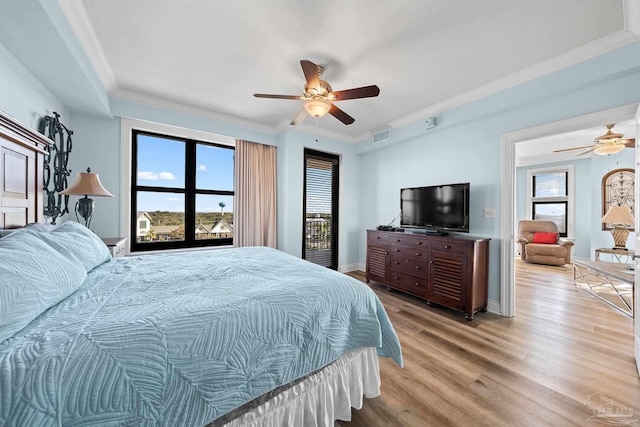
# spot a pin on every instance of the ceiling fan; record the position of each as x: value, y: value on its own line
x: 609, y: 143
x: 319, y: 97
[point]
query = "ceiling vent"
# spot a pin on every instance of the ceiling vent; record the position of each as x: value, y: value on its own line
x: 382, y: 136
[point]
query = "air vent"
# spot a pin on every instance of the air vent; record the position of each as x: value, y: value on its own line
x: 382, y: 136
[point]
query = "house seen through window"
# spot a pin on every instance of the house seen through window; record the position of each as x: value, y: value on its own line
x: 181, y: 192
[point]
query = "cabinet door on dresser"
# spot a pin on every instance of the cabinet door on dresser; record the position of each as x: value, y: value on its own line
x: 377, y: 256
x: 449, y: 279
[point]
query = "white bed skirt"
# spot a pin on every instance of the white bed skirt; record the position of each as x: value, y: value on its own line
x: 324, y: 397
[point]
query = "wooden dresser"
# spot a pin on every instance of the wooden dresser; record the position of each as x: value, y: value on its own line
x: 450, y: 271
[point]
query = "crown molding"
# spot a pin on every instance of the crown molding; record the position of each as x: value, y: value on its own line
x: 77, y: 17
x: 155, y: 102
x: 575, y: 56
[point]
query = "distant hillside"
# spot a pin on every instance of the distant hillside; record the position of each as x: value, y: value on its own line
x: 177, y: 218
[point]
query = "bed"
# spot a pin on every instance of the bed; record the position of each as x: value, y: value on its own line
x: 245, y: 336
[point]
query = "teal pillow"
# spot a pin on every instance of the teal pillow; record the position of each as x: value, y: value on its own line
x: 72, y: 239
x: 33, y: 277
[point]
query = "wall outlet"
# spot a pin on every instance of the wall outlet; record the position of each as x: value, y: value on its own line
x: 489, y: 212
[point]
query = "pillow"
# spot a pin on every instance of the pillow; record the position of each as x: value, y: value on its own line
x: 74, y: 240
x: 546, y: 238
x: 34, y: 278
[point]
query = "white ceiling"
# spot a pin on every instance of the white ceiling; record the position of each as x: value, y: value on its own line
x: 425, y: 55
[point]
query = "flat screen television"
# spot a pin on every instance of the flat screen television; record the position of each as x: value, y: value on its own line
x: 436, y: 208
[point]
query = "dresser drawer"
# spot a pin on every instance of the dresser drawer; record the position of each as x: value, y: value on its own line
x: 378, y: 239
x: 414, y: 266
x: 418, y: 253
x: 408, y: 283
x: 409, y: 240
x: 449, y: 246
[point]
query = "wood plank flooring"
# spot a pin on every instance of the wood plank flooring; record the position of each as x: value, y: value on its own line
x: 536, y: 369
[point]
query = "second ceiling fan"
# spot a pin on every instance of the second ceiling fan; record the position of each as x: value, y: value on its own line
x: 609, y: 143
x: 319, y: 97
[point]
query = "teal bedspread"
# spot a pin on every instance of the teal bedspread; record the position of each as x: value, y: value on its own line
x: 182, y: 339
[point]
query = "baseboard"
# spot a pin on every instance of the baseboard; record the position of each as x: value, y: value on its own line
x: 349, y: 267
x: 494, y: 307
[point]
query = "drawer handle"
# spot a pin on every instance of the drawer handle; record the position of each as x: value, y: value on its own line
x: 398, y: 240
x: 417, y: 284
x: 396, y: 262
x: 417, y: 267
x: 447, y: 247
x: 418, y: 253
x: 378, y: 237
x: 395, y: 277
x: 418, y: 242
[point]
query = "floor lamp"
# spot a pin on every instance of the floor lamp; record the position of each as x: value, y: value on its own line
x: 87, y: 184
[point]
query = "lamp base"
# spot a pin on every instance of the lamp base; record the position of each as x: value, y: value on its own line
x: 84, y: 208
x: 620, y: 235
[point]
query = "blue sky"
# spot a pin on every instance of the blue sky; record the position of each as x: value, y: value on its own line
x: 161, y: 162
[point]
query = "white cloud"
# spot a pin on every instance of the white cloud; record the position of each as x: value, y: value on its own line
x: 152, y: 176
x: 202, y: 168
x: 167, y: 176
x: 149, y: 176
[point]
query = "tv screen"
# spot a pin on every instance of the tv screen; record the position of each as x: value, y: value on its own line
x: 437, y: 207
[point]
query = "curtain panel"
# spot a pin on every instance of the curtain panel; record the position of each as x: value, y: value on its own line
x: 255, y: 195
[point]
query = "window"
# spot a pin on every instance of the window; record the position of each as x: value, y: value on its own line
x: 550, y: 197
x: 181, y: 192
x: 320, y: 205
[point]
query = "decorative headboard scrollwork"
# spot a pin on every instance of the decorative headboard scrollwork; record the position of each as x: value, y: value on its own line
x: 56, y: 171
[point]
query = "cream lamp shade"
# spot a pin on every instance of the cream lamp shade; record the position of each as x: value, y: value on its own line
x: 609, y: 149
x: 87, y: 184
x: 317, y: 107
x: 621, y: 218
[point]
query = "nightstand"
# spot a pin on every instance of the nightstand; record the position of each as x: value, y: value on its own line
x: 116, y: 245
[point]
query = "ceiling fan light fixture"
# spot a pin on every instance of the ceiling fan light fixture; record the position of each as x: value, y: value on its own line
x: 609, y: 149
x: 317, y: 107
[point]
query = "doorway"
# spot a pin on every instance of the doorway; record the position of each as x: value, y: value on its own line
x: 508, y: 224
x: 320, y: 208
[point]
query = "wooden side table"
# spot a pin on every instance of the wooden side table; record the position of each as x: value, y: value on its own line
x: 616, y: 254
x: 116, y: 245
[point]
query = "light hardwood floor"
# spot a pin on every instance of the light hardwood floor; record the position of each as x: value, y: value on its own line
x: 536, y: 369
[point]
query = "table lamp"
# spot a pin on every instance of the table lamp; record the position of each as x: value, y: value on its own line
x: 87, y: 184
x: 621, y: 218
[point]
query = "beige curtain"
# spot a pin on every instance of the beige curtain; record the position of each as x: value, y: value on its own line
x: 254, y: 221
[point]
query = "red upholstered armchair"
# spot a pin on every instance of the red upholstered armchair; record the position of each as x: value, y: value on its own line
x: 540, y: 244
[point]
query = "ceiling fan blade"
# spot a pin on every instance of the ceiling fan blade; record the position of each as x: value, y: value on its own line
x: 629, y: 142
x: 575, y: 148
x: 341, y: 115
x: 359, y: 92
x: 587, y: 152
x: 310, y: 71
x: 299, y: 117
x: 264, y: 95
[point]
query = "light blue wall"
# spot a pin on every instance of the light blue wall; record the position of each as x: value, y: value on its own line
x: 22, y: 96
x: 466, y: 145
x: 290, y: 187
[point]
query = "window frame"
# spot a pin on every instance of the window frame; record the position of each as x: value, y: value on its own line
x: 189, y: 190
x: 568, y: 200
